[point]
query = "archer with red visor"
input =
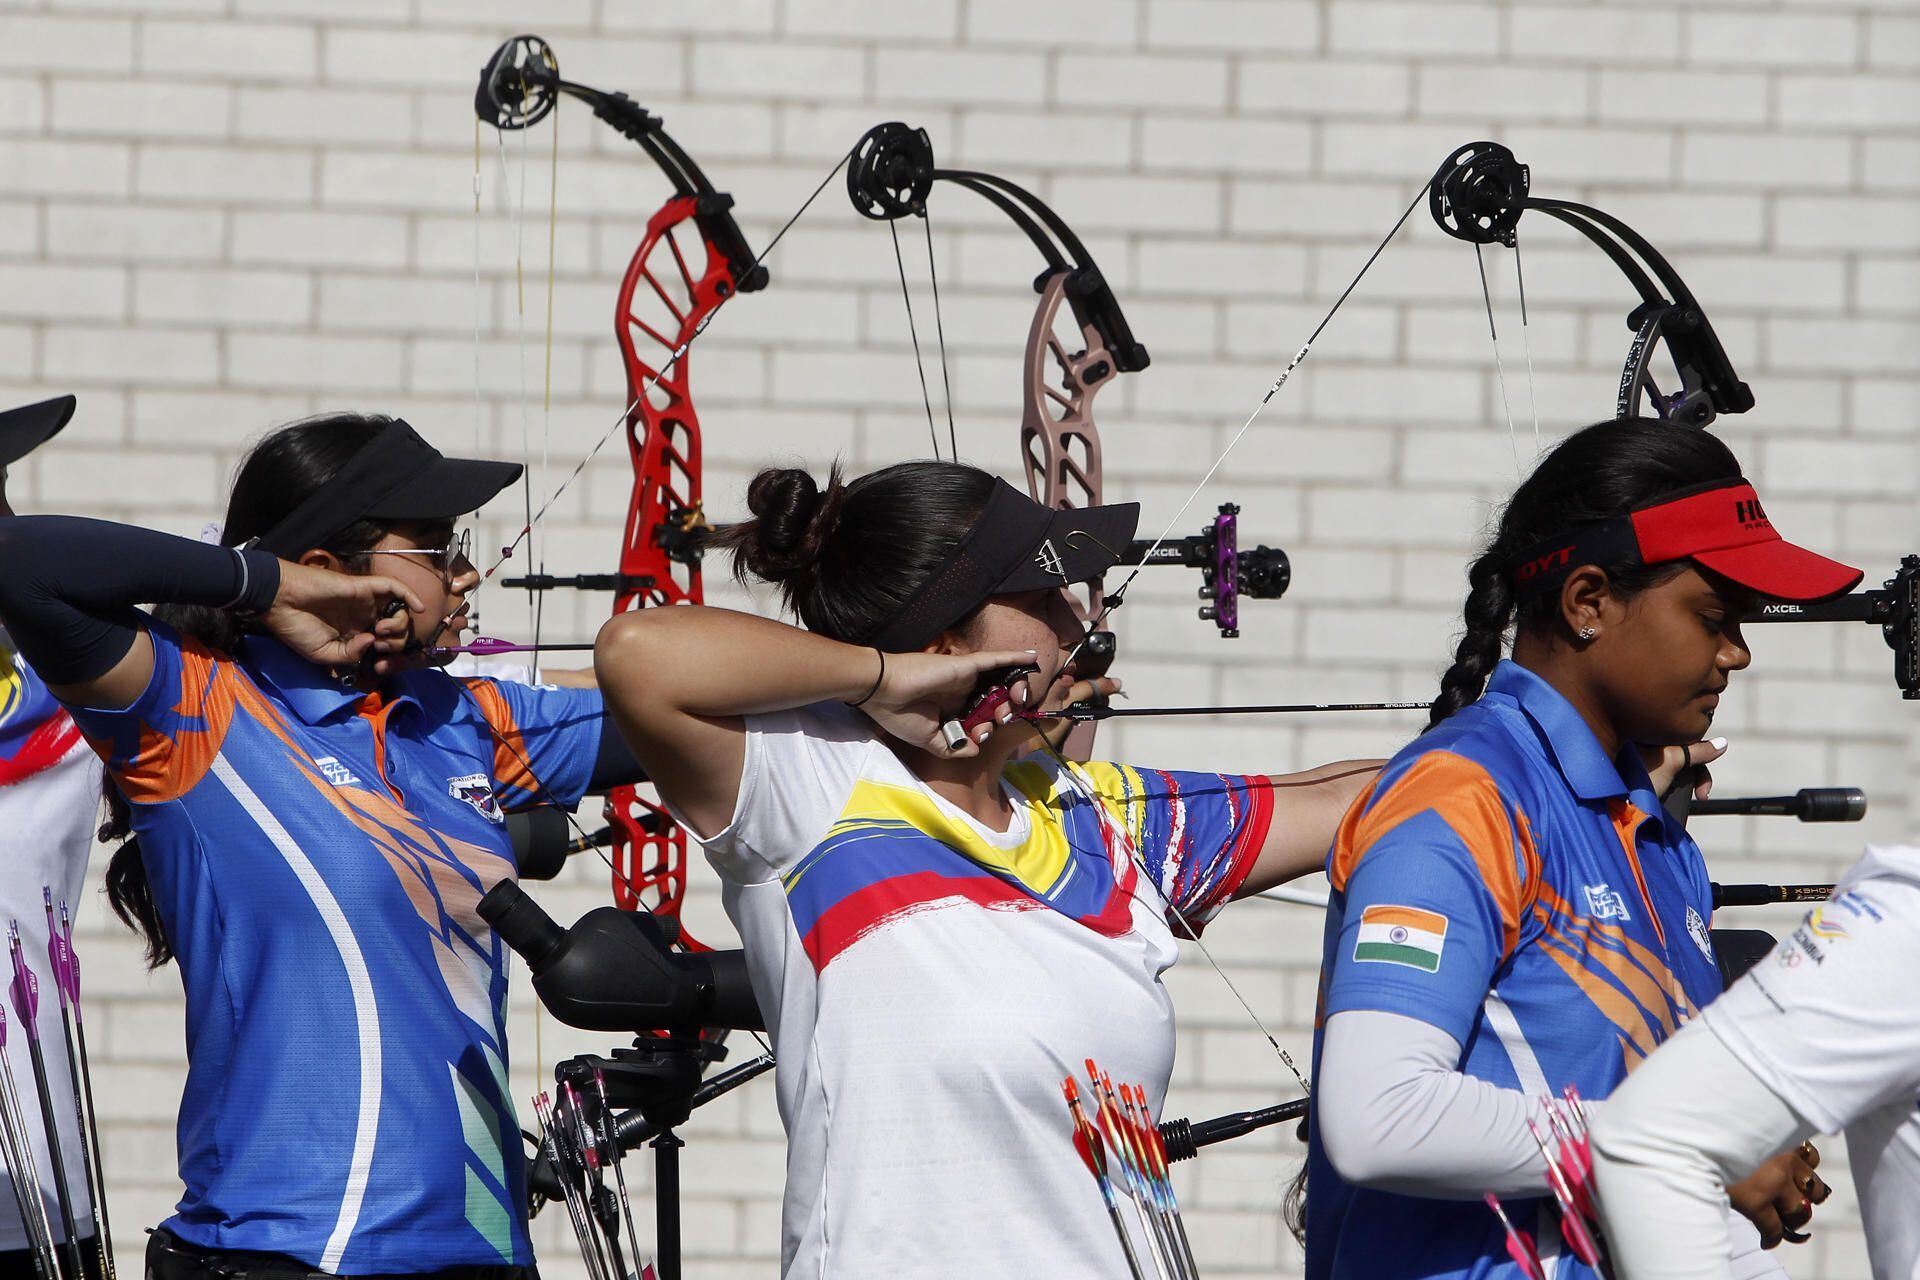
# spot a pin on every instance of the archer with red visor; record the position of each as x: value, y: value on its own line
x: 1513, y: 910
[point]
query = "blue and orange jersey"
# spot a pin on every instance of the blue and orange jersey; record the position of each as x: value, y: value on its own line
x: 316, y: 855
x: 1507, y: 882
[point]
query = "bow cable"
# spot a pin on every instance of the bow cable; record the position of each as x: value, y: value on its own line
x: 1499, y: 367
x: 1113, y: 599
x: 940, y: 327
x: 1526, y: 340
x: 906, y: 296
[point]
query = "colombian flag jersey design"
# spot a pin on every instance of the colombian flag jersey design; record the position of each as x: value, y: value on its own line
x: 316, y: 855
x: 928, y: 979
x: 1091, y: 831
x: 35, y: 732
x: 1504, y: 881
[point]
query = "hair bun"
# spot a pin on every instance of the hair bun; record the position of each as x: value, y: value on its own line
x: 793, y: 520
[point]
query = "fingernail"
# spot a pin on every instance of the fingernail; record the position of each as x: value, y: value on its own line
x: 1718, y: 744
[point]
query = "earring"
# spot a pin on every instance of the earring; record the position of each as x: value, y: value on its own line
x: 1588, y: 633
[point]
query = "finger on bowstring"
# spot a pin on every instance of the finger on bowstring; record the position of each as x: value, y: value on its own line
x: 983, y: 662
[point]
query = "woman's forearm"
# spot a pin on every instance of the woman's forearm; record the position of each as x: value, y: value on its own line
x: 1688, y: 1122
x: 1396, y: 1113
x: 68, y: 587
x: 1307, y: 808
x: 704, y: 661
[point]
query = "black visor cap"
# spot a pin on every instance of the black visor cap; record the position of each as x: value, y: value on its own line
x: 1017, y: 545
x: 396, y: 475
x: 25, y: 429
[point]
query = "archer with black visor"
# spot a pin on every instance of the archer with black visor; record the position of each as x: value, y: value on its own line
x: 315, y: 811
x: 934, y: 922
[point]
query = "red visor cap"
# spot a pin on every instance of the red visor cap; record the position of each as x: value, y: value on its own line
x: 1727, y: 530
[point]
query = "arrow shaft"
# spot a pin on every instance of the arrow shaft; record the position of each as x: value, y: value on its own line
x: 1085, y: 713
x: 19, y: 1142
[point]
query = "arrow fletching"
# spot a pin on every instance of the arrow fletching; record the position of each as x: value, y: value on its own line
x: 1520, y: 1246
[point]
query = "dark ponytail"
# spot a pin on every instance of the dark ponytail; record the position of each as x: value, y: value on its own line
x: 1602, y: 471
x: 848, y: 558
x: 278, y: 474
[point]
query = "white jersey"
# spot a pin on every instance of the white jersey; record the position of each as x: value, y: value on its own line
x: 49, y: 802
x: 929, y: 982
x: 1831, y: 1023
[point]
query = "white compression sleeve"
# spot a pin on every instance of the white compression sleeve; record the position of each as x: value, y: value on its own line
x: 1690, y: 1119
x: 1396, y: 1113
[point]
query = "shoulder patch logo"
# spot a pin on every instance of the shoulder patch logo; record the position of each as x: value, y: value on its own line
x: 477, y: 790
x: 1605, y: 903
x: 1401, y: 935
x: 1697, y: 930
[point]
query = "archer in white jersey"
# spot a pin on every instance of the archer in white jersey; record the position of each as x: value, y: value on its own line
x: 1820, y: 1037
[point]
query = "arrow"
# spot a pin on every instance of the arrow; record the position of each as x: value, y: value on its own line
x: 1083, y: 711
x: 26, y: 1002
x: 1147, y: 1205
x: 66, y: 980
x: 16, y: 1144
x: 1520, y: 1245
x: 1134, y: 1099
x: 1086, y: 1140
x: 487, y: 646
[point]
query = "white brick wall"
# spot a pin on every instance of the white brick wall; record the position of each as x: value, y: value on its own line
x: 218, y: 214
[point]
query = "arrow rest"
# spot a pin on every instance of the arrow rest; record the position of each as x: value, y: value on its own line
x: 891, y: 172
x: 519, y: 85
x: 1478, y: 194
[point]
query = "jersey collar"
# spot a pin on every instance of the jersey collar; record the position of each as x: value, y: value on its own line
x: 308, y: 690
x: 1579, y: 755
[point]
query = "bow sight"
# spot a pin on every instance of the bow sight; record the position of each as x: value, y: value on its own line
x: 1478, y: 194
x: 1893, y: 607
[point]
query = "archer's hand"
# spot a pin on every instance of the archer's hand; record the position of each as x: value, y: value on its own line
x: 1779, y: 1196
x: 921, y: 691
x: 1665, y: 763
x: 334, y: 619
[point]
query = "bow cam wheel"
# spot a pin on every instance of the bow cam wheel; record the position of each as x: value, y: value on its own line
x: 891, y: 172
x: 519, y: 84
x: 1479, y: 194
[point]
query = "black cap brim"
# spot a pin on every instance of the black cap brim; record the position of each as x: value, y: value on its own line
x: 446, y: 489
x: 1078, y: 545
x: 25, y: 429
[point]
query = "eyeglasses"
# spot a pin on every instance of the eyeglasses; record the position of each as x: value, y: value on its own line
x: 441, y: 558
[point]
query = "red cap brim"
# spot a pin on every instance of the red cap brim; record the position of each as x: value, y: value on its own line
x: 1781, y: 571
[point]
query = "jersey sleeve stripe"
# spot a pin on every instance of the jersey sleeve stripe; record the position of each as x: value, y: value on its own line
x: 1463, y: 795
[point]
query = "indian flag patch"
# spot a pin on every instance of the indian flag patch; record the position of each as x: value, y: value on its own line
x: 1401, y: 935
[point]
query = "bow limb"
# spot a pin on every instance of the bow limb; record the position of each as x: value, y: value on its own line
x: 692, y: 259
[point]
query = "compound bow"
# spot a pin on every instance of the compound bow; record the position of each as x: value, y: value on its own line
x: 691, y: 259
x: 890, y: 177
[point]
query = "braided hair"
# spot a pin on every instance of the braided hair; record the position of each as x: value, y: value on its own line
x: 1599, y: 472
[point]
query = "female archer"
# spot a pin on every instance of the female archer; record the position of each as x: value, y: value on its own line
x: 317, y: 813
x: 939, y: 928
x: 1513, y: 910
